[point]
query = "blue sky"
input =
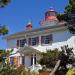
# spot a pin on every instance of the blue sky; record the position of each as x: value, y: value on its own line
x: 16, y: 15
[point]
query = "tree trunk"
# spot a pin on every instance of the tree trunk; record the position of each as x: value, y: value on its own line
x: 55, y: 68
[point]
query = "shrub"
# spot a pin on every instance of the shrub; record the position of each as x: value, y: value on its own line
x: 8, y: 69
x: 49, y: 58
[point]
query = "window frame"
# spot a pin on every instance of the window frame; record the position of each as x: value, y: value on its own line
x: 21, y: 42
x: 33, y: 41
x: 47, y: 39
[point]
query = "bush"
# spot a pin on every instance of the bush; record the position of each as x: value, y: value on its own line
x: 8, y: 69
x: 49, y: 58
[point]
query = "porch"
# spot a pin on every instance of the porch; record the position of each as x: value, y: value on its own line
x: 29, y: 57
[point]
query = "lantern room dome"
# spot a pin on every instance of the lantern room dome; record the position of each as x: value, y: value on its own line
x: 50, y: 18
x: 50, y: 14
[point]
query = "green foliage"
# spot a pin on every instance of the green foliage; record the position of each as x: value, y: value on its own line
x: 4, y: 54
x: 8, y: 69
x: 71, y: 72
x: 3, y: 30
x: 69, y: 16
x: 49, y: 58
x: 3, y: 3
x: 70, y: 7
x: 62, y: 17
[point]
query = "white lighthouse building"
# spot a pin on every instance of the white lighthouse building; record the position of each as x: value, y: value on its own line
x: 29, y: 43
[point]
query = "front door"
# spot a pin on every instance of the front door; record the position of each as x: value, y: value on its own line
x: 27, y: 61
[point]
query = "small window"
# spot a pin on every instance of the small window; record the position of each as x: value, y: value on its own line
x: 46, y: 40
x: 33, y: 41
x: 52, y: 13
x: 22, y: 42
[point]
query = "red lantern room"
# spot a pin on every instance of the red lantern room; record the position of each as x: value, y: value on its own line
x: 50, y: 14
x: 50, y: 18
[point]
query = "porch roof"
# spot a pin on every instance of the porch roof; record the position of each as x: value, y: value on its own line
x: 28, y: 50
x: 15, y: 55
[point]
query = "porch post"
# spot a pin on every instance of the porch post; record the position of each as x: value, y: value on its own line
x: 33, y: 61
x: 39, y: 40
x: 20, y: 59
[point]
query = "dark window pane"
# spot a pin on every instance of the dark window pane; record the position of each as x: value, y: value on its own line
x: 48, y: 39
x: 29, y: 41
x: 34, y: 41
x: 22, y: 42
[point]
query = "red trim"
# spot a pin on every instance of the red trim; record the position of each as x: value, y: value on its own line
x: 42, y: 39
x: 51, y: 18
x: 17, y: 43
x: 37, y: 40
x: 29, y: 41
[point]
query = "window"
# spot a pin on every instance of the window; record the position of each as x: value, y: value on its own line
x: 46, y: 39
x: 35, y: 41
x: 21, y: 43
x: 52, y: 13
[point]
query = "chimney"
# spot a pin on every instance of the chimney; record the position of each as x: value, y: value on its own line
x: 29, y: 26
